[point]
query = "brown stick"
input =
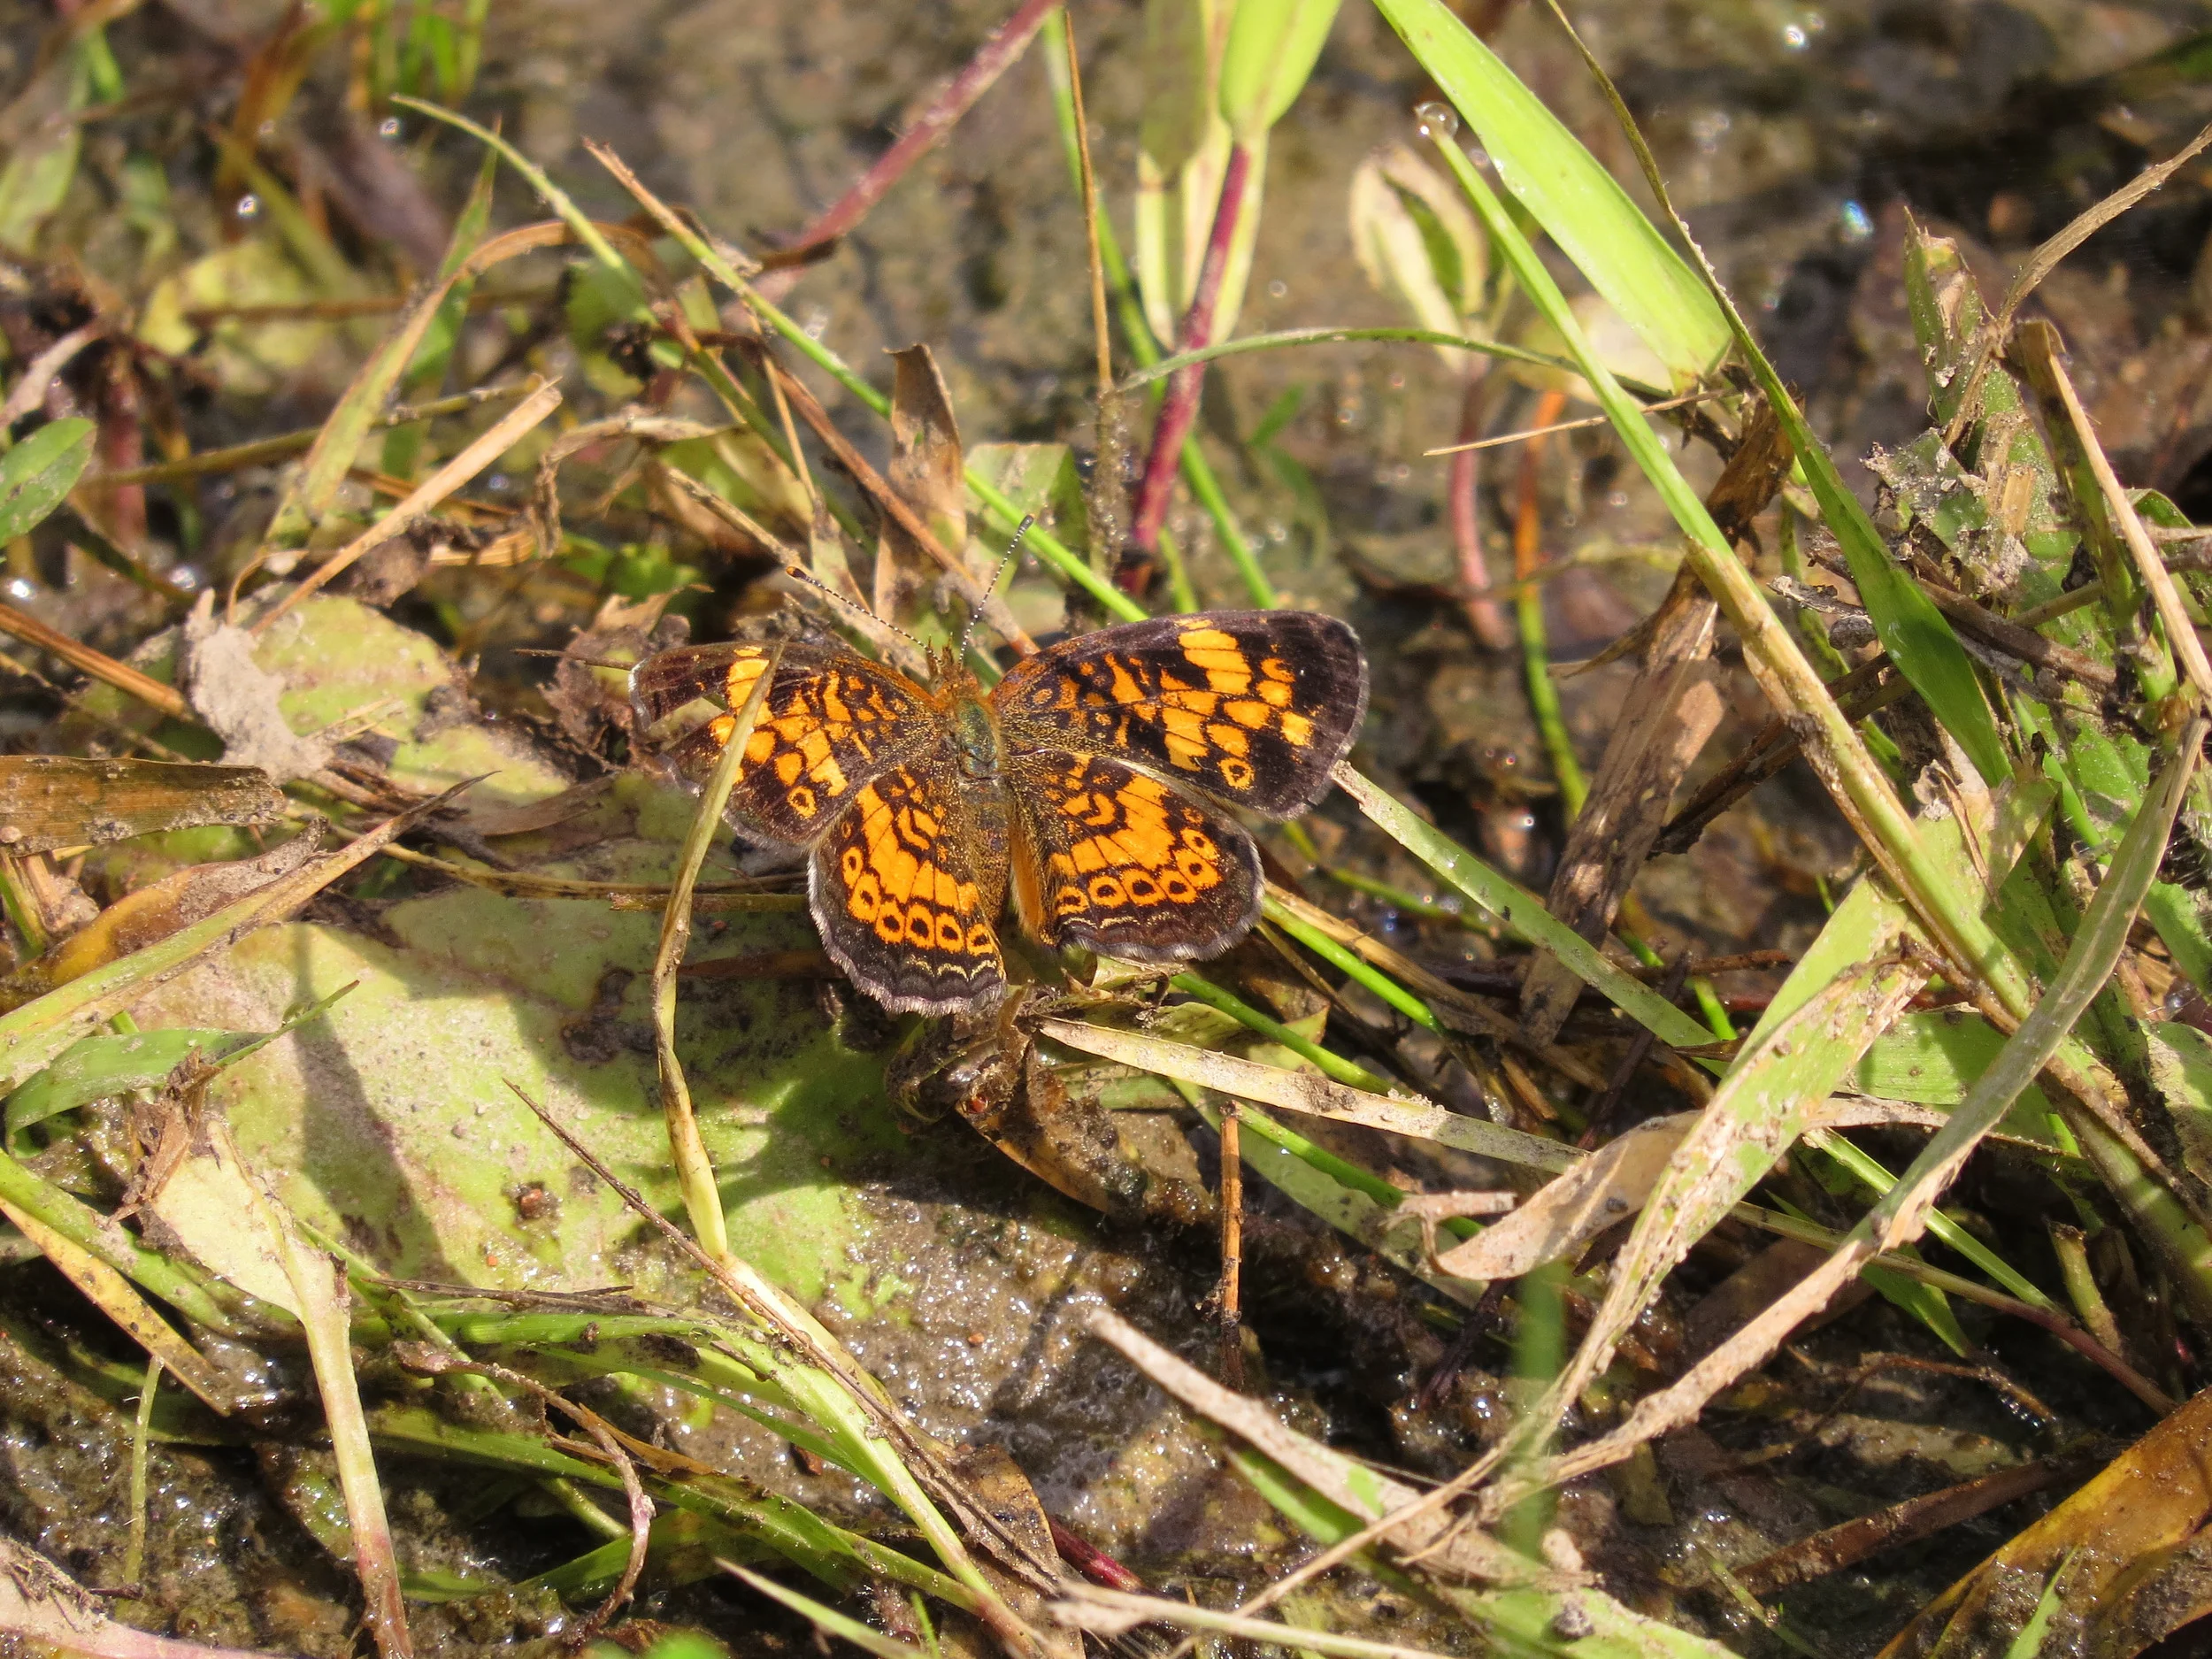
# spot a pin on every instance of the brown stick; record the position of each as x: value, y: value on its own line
x: 122, y: 676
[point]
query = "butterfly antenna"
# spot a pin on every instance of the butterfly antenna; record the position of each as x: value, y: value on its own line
x: 814, y: 581
x: 991, y: 586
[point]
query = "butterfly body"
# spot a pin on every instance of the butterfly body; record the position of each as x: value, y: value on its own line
x: 1089, y: 784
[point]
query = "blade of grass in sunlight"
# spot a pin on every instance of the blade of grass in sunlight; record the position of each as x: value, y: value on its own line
x: 1524, y: 911
x: 1857, y: 783
x: 1901, y: 1215
x: 1563, y: 187
x: 1917, y: 637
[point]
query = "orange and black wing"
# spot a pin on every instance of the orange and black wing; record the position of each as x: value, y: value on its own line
x: 1254, y: 708
x: 832, y: 720
x: 898, y: 901
x: 1117, y: 861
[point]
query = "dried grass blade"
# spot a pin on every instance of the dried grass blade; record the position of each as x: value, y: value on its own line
x: 1900, y: 1216
x: 694, y: 1170
x: 109, y: 1291
x: 480, y: 453
x: 2041, y: 345
x: 1304, y: 1092
x: 318, y: 1286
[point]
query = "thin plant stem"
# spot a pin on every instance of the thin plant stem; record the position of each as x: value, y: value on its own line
x: 694, y: 1170
x: 954, y: 100
x: 1179, y: 411
x: 1484, y: 616
x: 1543, y: 692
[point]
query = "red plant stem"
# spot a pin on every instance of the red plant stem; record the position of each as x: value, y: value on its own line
x: 1092, y: 1562
x: 1484, y: 615
x: 1178, y: 410
x: 954, y: 100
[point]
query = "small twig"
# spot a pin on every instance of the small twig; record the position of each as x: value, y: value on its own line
x: 1991, y: 337
x: 1464, y: 446
x: 100, y: 666
x: 486, y: 447
x: 1101, y: 328
x: 2181, y: 633
x: 1228, y: 1304
x: 610, y: 1442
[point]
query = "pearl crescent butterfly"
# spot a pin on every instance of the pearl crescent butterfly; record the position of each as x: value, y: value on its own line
x: 1092, y: 786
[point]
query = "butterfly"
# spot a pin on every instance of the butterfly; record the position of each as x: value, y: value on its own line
x: 1094, y: 785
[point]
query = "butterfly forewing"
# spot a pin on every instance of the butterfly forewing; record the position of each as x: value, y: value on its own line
x: 832, y: 720
x: 1254, y: 708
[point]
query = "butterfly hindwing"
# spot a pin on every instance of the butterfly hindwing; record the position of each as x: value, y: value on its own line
x: 898, y: 899
x: 1117, y: 861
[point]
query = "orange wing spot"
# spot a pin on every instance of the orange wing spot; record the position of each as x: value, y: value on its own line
x: 833, y: 705
x: 1107, y: 893
x: 787, y: 765
x: 1196, y: 640
x: 1229, y: 740
x: 745, y: 672
x: 800, y: 801
x: 1124, y: 689
x: 1187, y: 724
x: 1296, y: 729
x: 1236, y: 774
x: 829, y: 774
x: 1184, y: 753
x: 1246, y: 712
x: 1275, y: 692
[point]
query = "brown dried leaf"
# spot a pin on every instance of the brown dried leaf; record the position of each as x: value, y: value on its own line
x: 155, y: 912
x: 926, y: 471
x: 1607, y: 1186
x: 2131, y: 1547
x: 49, y: 800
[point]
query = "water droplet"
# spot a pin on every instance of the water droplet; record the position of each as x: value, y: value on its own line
x: 1794, y: 36
x: 18, y: 588
x: 388, y: 128
x: 1852, y: 221
x: 1278, y: 289
x: 497, y: 481
x: 1436, y: 119
x: 249, y: 207
x: 184, y: 577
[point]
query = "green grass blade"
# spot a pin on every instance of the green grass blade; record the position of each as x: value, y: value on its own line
x: 1574, y: 198
x: 1524, y: 912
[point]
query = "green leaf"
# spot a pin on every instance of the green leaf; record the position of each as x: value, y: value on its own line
x: 37, y: 475
x: 1574, y: 198
x: 1272, y: 46
x: 105, y: 1065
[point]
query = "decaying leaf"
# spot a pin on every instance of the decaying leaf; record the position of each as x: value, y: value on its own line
x: 139, y: 918
x: 49, y: 800
x: 2135, y: 1550
x: 237, y: 698
x: 1608, y: 1186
